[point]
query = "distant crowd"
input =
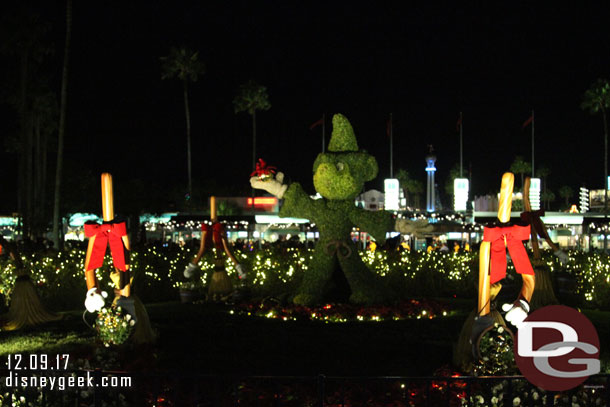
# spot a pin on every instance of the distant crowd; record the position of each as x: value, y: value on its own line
x: 42, y: 245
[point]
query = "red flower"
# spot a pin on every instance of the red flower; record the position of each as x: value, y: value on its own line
x: 263, y: 169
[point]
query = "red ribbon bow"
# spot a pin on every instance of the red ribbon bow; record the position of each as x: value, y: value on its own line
x: 107, y: 234
x: 514, y: 236
x: 215, y: 237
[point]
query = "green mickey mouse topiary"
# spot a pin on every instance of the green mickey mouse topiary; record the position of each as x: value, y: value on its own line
x: 339, y: 176
x: 342, y: 175
x: 343, y: 138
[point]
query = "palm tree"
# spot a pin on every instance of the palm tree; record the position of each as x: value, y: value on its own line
x: 411, y: 187
x: 416, y: 188
x: 566, y: 193
x: 520, y: 166
x: 547, y: 197
x: 404, y: 179
x: 453, y: 174
x: 62, y: 126
x: 597, y: 99
x: 252, y: 97
x: 184, y: 64
x: 25, y: 37
x: 44, y: 124
x: 543, y: 172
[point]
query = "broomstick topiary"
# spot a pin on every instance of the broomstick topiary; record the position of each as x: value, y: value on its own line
x: 26, y: 309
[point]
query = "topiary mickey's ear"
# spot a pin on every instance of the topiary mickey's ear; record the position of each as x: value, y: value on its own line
x: 371, y: 169
x: 342, y: 138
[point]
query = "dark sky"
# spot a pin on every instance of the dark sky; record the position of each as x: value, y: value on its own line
x: 424, y: 64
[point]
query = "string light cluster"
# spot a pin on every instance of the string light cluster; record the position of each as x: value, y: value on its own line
x: 453, y: 266
x: 331, y: 313
x: 192, y: 224
x: 7, y: 230
x: 195, y: 225
x: 599, y: 228
x: 273, y: 271
x: 592, y: 276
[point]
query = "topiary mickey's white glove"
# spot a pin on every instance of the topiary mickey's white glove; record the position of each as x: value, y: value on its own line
x: 562, y: 256
x: 241, y: 271
x: 516, y: 312
x: 189, y: 271
x: 413, y: 227
x: 94, y: 301
x: 274, y: 186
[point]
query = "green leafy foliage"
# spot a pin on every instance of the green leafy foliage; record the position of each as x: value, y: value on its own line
x: 566, y: 192
x: 521, y: 167
x: 453, y: 174
x: 339, y: 176
x: 251, y: 97
x: 412, y: 188
x: 276, y: 272
x: 547, y: 197
x: 342, y: 175
x: 496, y: 349
x: 182, y: 63
x: 597, y: 97
x: 334, y: 182
x: 343, y: 137
x: 335, y: 219
x: 113, y: 325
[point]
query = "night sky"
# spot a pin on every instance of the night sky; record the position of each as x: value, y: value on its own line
x: 424, y: 64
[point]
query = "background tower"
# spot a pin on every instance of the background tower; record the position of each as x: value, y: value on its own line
x: 430, y: 170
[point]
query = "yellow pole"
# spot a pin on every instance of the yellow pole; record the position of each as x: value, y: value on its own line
x: 506, y: 197
x: 107, y: 197
x: 504, y: 210
x: 213, y: 216
x: 484, y: 279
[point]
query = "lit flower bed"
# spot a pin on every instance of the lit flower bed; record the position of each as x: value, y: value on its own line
x: 496, y: 348
x: 276, y: 272
x: 411, y: 309
x: 113, y: 325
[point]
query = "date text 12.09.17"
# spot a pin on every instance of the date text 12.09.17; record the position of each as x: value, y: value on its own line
x: 34, y: 361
